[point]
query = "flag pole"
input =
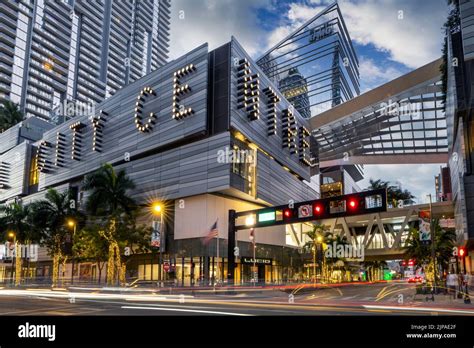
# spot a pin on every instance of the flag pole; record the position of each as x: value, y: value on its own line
x: 217, y: 272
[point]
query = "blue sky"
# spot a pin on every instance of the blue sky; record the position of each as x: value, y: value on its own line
x: 391, y: 38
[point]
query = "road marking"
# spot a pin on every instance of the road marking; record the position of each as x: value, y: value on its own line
x: 421, y: 309
x: 186, y: 310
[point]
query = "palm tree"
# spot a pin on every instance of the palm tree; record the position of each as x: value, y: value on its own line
x: 394, y: 193
x: 16, y: 218
x: 316, y: 236
x: 372, y: 267
x: 445, y: 241
x: 10, y: 115
x: 335, y: 261
x: 109, y: 198
x: 51, y: 216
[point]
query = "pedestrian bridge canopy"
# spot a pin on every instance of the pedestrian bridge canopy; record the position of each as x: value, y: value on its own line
x: 399, y: 122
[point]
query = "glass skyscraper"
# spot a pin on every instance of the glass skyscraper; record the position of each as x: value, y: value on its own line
x: 55, y: 55
x: 321, y: 54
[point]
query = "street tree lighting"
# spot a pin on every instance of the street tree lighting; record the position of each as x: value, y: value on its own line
x: 12, y: 235
x: 72, y: 224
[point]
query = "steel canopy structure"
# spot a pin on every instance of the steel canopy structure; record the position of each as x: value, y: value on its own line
x: 399, y: 122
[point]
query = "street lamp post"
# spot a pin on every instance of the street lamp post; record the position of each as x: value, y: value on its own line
x: 72, y: 224
x: 319, y: 239
x: 250, y: 221
x: 157, y: 210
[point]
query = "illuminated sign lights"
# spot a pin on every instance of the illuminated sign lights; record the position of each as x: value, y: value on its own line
x: 98, y: 123
x: 272, y: 100
x: 179, y: 110
x: 76, y: 146
x: 4, y: 175
x: 289, y: 130
x: 303, y: 146
x: 60, y: 150
x: 248, y: 97
x: 266, y: 216
x: 148, y: 125
x: 42, y: 163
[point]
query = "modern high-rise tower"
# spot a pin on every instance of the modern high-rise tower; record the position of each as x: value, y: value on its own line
x: 55, y: 55
x: 321, y: 52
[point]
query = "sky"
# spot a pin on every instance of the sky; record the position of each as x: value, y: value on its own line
x: 390, y: 37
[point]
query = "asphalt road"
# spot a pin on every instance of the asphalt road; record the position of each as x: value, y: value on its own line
x: 351, y: 299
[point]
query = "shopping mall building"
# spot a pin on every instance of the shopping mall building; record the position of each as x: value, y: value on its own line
x: 203, y: 134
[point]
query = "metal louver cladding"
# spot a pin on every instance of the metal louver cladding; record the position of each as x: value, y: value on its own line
x: 4, y: 175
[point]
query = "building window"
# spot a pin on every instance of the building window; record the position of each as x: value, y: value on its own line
x: 34, y: 172
x: 243, y: 160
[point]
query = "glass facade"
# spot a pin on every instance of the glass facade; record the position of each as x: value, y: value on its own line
x: 79, y: 52
x: 316, y: 66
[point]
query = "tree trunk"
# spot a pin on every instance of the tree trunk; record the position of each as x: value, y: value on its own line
x: 18, y: 264
x: 55, y: 272
x: 100, y: 270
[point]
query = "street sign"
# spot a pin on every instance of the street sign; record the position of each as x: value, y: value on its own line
x: 425, y: 226
x: 166, y: 267
x: 305, y: 211
x: 266, y: 216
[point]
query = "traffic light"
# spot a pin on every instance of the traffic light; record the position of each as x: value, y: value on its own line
x: 462, y: 252
x: 318, y: 209
x: 353, y: 203
x: 287, y: 213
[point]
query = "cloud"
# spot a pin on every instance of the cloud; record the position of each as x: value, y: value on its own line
x: 215, y: 21
x: 416, y: 178
x: 409, y: 31
x: 373, y: 74
x: 296, y: 16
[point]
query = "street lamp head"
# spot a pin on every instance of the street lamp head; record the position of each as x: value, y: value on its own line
x: 156, y: 208
x: 71, y: 223
x: 250, y: 220
x: 11, y: 234
x: 319, y: 239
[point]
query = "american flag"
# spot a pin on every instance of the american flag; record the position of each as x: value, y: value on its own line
x: 252, y: 236
x: 213, y: 232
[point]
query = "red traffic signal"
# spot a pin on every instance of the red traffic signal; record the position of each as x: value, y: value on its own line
x: 318, y: 209
x: 352, y: 203
x: 462, y: 252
